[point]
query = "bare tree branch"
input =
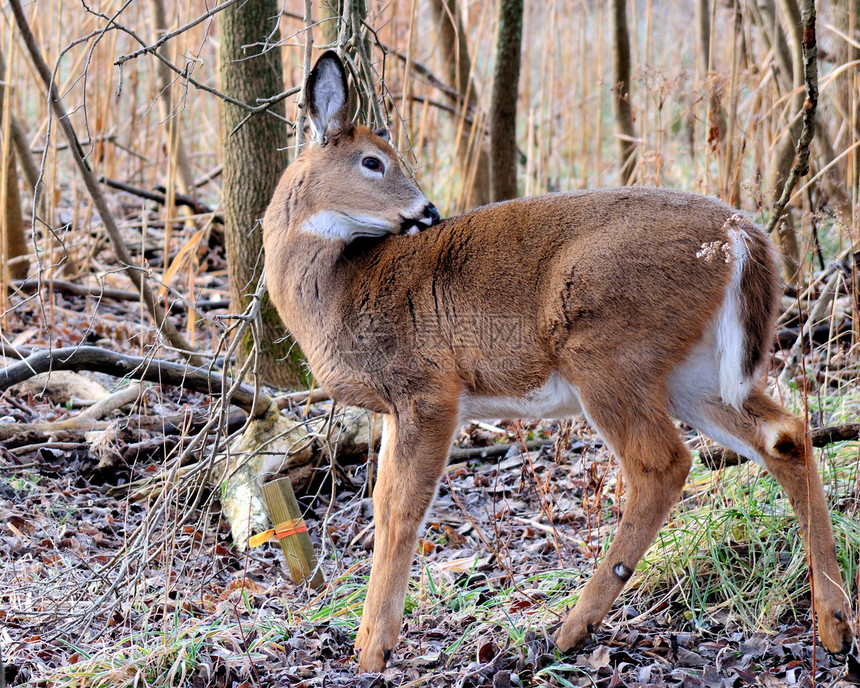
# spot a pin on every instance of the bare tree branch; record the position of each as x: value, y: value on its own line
x: 122, y: 59
x: 263, y: 106
x: 470, y: 151
x: 160, y: 196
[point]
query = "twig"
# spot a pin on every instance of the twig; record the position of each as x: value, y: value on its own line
x: 547, y: 529
x: 159, y: 196
x: 309, y: 44
x: 91, y: 141
x: 185, y: 73
x: 493, y: 450
x: 196, y: 379
x: 27, y: 448
x: 85, y: 421
x: 135, y: 274
x: 122, y: 59
x: 810, y: 79
x: 816, y: 315
x: 209, y: 176
x: 165, y: 443
x: 820, y: 334
x: 313, y: 397
x: 431, y: 78
x: 468, y: 119
x: 32, y: 285
x: 127, y: 395
x: 265, y: 104
x: 717, y: 457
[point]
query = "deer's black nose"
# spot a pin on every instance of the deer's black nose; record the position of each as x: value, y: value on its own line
x: 431, y: 213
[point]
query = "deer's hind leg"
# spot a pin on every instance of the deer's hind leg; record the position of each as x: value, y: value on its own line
x: 766, y: 433
x: 655, y: 464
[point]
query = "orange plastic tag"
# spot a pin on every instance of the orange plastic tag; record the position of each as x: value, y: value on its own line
x: 260, y: 538
x: 281, y: 530
x: 291, y: 527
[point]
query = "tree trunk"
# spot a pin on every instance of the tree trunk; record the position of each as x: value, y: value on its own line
x: 291, y: 447
x: 14, y: 239
x: 503, y: 106
x: 330, y: 13
x: 25, y: 157
x: 455, y: 53
x: 786, y: 234
x: 254, y: 157
x: 764, y: 13
x: 833, y: 183
x: 19, y: 140
x: 621, y: 91
x: 783, y: 153
x: 703, y: 12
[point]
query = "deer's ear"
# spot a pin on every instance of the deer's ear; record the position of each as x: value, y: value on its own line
x: 328, y: 97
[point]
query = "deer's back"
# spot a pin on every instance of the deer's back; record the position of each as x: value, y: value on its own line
x: 494, y: 297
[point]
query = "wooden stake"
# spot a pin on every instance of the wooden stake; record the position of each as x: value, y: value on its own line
x: 292, y: 533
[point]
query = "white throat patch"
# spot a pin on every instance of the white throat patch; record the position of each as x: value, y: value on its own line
x: 337, y: 225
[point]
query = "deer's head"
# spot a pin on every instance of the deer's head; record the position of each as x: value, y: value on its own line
x: 348, y: 182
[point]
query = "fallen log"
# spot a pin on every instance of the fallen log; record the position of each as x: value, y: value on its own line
x: 195, y: 378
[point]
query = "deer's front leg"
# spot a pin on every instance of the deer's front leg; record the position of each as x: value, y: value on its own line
x: 413, y: 455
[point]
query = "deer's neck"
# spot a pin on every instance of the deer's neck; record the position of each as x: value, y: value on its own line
x: 303, y: 280
x: 313, y: 284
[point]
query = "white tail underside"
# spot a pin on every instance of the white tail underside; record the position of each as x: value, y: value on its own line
x: 735, y: 386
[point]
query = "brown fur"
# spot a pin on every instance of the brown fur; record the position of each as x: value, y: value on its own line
x: 551, y: 277
x: 606, y: 293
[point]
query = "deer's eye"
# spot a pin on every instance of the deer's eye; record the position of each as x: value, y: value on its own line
x: 373, y: 163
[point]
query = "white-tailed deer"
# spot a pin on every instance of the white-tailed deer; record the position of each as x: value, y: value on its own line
x: 633, y: 306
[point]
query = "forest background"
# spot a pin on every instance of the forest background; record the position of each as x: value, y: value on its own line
x: 130, y: 250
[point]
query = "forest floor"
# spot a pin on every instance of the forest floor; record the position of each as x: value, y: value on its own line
x: 722, y: 599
